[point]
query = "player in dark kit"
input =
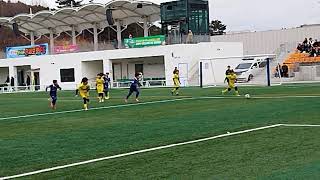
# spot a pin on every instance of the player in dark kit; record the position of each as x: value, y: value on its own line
x: 107, y: 81
x: 134, y: 87
x: 53, y: 93
x: 228, y: 72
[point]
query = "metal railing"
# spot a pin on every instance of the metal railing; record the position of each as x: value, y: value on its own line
x: 14, y: 89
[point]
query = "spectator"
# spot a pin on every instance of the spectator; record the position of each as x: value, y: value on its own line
x: 316, y: 44
x: 300, y: 48
x: 285, y: 71
x: 12, y: 83
x: 8, y: 80
x: 28, y: 81
x: 310, y: 43
x: 313, y: 52
x: 189, y: 37
x: 305, y: 45
x: 279, y: 73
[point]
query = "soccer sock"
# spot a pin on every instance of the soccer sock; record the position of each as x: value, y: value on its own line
x: 224, y: 91
x: 85, y: 106
x: 129, y: 95
x: 137, y: 94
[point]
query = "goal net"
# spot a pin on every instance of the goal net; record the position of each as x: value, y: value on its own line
x: 250, y: 71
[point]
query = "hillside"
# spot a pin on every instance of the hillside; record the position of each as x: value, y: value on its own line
x: 8, y: 9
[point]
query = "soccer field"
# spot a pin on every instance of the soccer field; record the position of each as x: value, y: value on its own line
x: 33, y: 137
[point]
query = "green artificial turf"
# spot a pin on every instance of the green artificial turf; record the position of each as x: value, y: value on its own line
x: 33, y: 143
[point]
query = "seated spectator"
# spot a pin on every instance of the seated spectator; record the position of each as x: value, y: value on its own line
x: 300, y: 48
x: 305, y: 45
x: 316, y: 43
x: 310, y: 42
x: 313, y: 52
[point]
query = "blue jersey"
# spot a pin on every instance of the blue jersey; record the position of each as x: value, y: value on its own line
x: 53, y: 90
x: 135, y: 84
x: 106, y: 82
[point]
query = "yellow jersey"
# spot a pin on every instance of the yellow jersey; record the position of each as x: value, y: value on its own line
x: 99, y: 83
x: 232, y: 79
x: 84, y: 90
x: 176, y: 80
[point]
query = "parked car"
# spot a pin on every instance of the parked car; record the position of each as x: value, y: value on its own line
x: 249, y: 68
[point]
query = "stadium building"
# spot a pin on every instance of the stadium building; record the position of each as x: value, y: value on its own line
x: 42, y: 64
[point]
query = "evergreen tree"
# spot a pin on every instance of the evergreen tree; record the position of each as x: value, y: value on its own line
x: 217, y: 28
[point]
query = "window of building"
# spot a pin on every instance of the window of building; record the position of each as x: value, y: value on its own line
x: 67, y: 75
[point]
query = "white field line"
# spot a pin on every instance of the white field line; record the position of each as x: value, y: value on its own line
x: 299, y: 125
x: 152, y: 102
x: 154, y: 149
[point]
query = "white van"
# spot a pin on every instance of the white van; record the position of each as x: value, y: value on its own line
x: 250, y: 67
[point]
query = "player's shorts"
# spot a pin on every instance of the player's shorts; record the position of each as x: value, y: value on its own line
x: 54, y: 99
x: 134, y: 89
x: 176, y: 84
x: 84, y: 95
x: 100, y: 89
x: 231, y: 86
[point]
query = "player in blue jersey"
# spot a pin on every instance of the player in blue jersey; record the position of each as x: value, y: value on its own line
x: 53, y: 93
x: 134, y: 87
x: 107, y: 85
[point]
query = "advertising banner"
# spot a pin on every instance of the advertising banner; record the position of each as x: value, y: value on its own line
x: 144, y: 41
x: 65, y: 49
x: 25, y: 51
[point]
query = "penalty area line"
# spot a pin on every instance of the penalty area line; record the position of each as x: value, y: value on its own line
x: 154, y: 149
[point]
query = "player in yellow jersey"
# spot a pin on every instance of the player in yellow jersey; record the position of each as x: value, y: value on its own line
x: 176, y: 83
x: 232, y: 77
x: 83, y: 91
x: 100, y: 87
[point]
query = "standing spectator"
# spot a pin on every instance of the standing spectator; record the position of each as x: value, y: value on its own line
x: 279, y: 72
x: 12, y: 83
x: 28, y: 82
x: 285, y: 71
x: 189, y: 37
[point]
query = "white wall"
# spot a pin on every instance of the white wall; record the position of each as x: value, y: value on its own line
x: 192, y: 54
x: 153, y: 67
x: 172, y: 55
x: 267, y: 42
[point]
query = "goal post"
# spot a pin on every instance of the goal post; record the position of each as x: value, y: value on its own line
x: 252, y: 72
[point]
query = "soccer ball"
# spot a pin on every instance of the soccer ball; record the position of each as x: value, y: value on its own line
x: 247, y: 96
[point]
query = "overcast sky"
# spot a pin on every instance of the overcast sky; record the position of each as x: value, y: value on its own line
x: 255, y: 15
